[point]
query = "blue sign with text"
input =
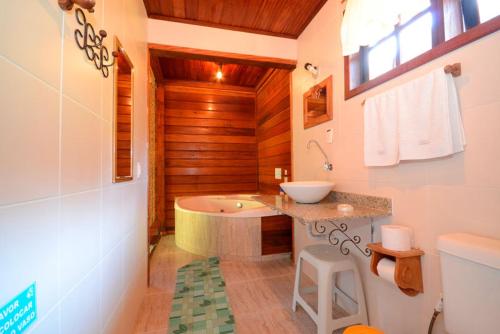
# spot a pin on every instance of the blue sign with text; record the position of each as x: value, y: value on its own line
x: 18, y: 314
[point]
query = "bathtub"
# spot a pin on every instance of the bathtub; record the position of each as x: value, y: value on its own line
x: 228, y: 226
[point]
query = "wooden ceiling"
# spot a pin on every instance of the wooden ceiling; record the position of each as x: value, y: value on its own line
x: 283, y: 18
x: 204, y: 71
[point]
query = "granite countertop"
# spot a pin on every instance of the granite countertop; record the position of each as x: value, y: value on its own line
x: 326, y: 210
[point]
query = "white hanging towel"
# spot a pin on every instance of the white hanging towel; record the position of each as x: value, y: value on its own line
x: 381, y: 130
x: 427, y: 117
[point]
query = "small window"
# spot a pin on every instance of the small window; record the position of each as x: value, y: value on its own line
x: 422, y: 26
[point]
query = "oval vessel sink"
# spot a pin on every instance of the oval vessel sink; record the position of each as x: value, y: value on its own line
x: 307, y: 191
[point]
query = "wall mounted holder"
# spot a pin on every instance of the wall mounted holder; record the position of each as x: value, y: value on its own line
x: 86, y: 4
x: 408, y: 271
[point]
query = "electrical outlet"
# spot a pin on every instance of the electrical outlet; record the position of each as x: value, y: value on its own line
x: 329, y: 136
x: 277, y: 173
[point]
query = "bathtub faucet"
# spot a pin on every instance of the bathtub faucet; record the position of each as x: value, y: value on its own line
x: 327, y: 165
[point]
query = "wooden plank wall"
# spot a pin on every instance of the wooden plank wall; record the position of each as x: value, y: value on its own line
x: 124, y: 126
x: 210, y: 142
x: 273, y: 129
x: 160, y: 159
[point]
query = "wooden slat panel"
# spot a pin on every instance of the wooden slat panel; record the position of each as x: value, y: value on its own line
x: 221, y: 115
x: 273, y: 129
x: 204, y: 71
x: 223, y: 147
x: 220, y: 123
x: 209, y: 139
x: 283, y: 18
x: 210, y: 163
x: 211, y: 155
x: 123, y: 156
x: 200, y: 130
x: 197, y: 105
x: 235, y: 187
x: 210, y: 170
x: 276, y: 233
x: 209, y: 143
x: 206, y: 179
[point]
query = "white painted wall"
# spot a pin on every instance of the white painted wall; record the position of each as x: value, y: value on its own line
x: 63, y: 224
x: 215, y: 39
x: 459, y: 193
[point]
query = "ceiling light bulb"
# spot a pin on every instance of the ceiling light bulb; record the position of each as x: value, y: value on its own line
x: 218, y: 75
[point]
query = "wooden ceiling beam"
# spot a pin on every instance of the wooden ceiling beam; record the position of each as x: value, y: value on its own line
x: 222, y: 26
x: 159, y: 50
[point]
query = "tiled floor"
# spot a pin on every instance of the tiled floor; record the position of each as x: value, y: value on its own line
x: 260, y: 294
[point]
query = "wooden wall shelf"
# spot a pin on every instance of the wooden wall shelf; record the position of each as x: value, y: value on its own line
x: 408, y: 271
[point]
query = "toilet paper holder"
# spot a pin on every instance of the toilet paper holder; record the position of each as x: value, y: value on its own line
x: 408, y: 270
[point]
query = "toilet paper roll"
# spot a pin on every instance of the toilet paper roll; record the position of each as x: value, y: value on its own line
x: 385, y: 269
x: 396, y: 237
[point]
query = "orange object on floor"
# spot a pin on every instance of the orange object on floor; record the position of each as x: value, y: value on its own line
x: 362, y: 330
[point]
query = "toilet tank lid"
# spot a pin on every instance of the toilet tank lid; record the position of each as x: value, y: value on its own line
x: 474, y: 248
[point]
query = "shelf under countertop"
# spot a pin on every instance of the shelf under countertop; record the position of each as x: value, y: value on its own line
x: 326, y: 211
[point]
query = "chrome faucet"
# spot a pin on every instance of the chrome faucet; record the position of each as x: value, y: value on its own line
x: 327, y: 165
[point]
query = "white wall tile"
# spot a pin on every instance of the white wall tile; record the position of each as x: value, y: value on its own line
x: 80, y: 237
x: 80, y: 153
x: 81, y: 79
x: 80, y: 310
x: 48, y: 325
x: 113, y: 282
x: 29, y: 244
x: 113, y: 219
x: 31, y: 37
x: 29, y: 128
x: 107, y: 153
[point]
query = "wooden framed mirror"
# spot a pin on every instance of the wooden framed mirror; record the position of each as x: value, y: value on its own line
x: 318, y: 103
x: 123, y: 116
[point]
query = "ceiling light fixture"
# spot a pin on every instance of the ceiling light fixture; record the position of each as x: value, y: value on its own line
x: 219, y: 74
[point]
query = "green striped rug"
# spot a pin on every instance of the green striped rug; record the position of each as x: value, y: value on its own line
x: 200, y: 302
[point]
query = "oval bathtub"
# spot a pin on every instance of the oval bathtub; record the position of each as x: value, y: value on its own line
x: 225, y: 226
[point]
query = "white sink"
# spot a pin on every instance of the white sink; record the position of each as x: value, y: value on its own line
x: 307, y: 191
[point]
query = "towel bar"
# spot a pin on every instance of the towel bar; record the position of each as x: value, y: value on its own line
x: 454, y: 69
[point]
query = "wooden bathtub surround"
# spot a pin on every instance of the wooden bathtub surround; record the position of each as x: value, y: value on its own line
x: 408, y: 272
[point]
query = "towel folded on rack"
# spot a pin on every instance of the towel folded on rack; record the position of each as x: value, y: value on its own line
x: 417, y: 120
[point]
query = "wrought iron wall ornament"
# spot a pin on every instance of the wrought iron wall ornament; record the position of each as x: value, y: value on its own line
x: 87, y: 39
x: 92, y: 44
x: 340, y: 230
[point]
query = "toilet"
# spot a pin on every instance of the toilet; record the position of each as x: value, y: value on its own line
x: 470, y: 269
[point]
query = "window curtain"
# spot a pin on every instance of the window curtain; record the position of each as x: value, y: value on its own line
x: 366, y: 22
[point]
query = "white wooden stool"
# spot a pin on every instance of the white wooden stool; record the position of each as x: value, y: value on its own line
x: 328, y: 261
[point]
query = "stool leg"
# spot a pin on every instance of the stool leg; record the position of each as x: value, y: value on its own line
x: 324, y: 301
x: 297, y: 283
x: 360, y: 297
